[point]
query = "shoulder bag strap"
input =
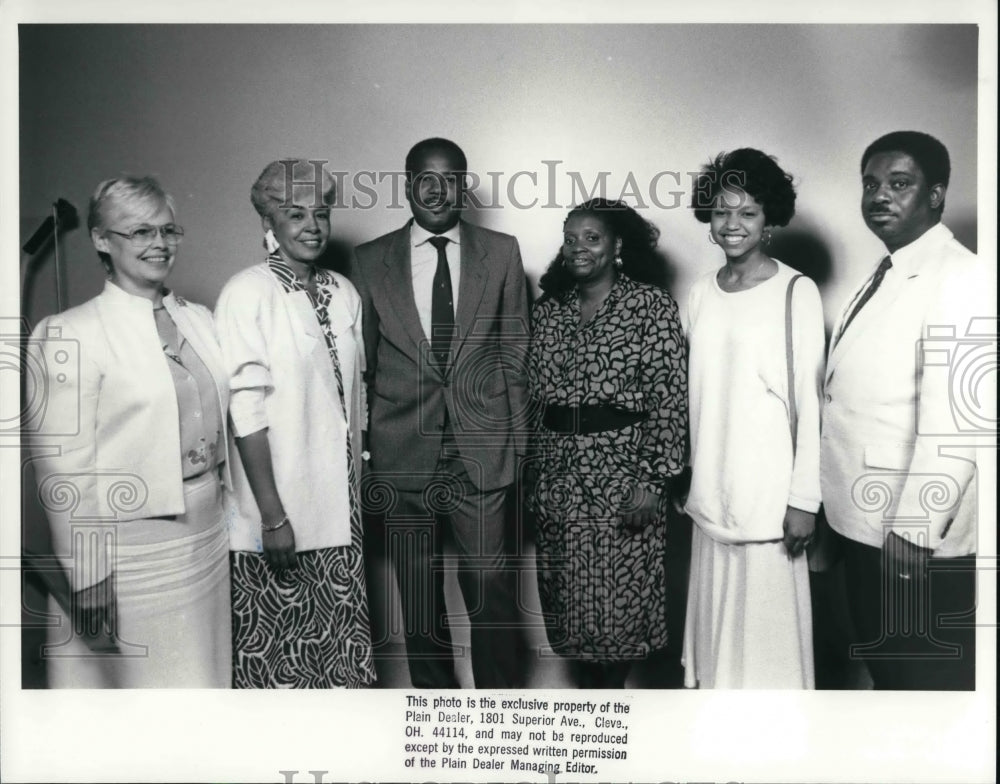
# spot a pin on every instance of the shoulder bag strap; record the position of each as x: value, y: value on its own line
x: 793, y: 413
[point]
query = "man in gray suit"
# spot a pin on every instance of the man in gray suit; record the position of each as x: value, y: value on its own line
x: 447, y: 402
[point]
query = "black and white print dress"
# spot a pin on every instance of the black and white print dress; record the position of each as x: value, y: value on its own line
x: 305, y: 627
x: 602, y: 587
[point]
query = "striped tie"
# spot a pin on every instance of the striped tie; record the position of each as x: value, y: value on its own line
x: 869, y: 292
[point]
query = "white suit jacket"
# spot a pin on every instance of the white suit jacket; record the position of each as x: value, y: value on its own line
x: 899, y: 429
x: 107, y: 442
x: 282, y: 379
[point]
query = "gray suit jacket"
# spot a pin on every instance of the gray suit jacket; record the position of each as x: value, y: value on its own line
x: 482, y: 391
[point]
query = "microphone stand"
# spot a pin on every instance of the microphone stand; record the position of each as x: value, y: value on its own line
x: 63, y: 217
x: 46, y: 571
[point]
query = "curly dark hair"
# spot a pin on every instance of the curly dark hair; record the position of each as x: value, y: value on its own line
x: 751, y: 171
x: 638, y: 236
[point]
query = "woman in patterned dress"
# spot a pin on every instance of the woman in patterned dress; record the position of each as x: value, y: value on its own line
x: 291, y: 338
x: 607, y: 371
x: 755, y: 484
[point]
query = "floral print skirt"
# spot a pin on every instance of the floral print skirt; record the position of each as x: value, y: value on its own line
x: 304, y: 628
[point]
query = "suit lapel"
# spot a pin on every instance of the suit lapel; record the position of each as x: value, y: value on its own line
x: 472, y: 284
x: 299, y: 304
x: 397, y: 284
x: 893, y: 285
x: 308, y: 324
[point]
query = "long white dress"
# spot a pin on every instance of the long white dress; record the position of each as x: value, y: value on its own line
x: 749, y: 620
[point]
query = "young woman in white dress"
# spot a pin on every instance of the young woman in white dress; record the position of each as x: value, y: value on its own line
x: 755, y: 484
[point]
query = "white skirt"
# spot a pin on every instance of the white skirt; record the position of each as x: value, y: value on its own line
x: 171, y: 581
x: 749, y: 617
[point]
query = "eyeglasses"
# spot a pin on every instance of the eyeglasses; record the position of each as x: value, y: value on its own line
x: 146, y: 234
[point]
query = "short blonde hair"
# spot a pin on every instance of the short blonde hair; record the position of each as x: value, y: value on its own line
x: 283, y: 182
x: 124, y: 191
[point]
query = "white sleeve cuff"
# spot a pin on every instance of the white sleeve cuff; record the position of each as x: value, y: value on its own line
x: 247, y: 411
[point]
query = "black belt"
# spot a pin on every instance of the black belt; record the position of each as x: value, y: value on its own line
x: 581, y: 420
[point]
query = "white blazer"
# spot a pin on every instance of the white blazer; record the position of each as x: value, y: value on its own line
x: 282, y: 379
x: 106, y: 441
x: 898, y: 444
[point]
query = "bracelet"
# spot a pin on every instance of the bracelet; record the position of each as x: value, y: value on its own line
x: 280, y: 523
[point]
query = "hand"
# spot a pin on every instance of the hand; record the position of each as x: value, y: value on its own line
x: 639, y: 508
x: 680, y: 486
x: 279, y: 547
x: 903, y: 559
x: 527, y: 473
x: 94, y: 619
x: 798, y: 527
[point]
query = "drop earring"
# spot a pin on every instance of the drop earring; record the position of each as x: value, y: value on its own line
x: 711, y: 238
x: 270, y: 242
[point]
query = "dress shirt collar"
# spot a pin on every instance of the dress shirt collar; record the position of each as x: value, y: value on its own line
x: 419, y: 235
x: 909, y: 258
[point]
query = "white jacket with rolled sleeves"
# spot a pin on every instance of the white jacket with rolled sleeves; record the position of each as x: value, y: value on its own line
x: 901, y: 425
x: 106, y: 443
x: 282, y: 378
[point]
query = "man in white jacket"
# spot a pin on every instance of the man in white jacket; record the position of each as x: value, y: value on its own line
x: 901, y: 431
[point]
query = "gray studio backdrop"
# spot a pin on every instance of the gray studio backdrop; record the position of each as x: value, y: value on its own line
x: 541, y: 111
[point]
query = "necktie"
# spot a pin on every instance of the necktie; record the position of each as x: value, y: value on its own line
x: 442, y: 305
x: 869, y: 292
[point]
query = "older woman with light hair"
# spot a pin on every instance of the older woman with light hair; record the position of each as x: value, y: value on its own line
x: 129, y: 455
x: 291, y: 337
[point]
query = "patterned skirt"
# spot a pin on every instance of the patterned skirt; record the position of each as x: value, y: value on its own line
x: 304, y: 628
x: 602, y: 587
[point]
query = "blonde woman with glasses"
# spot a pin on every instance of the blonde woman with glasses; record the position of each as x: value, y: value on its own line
x: 130, y: 459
